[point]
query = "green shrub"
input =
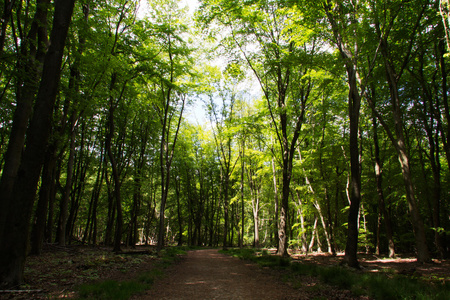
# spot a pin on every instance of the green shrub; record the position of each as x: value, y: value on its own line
x: 304, y: 268
x: 337, y: 276
x: 110, y: 289
x: 377, y: 286
x: 117, y: 290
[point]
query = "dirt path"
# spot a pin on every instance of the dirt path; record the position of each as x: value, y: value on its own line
x: 207, y: 274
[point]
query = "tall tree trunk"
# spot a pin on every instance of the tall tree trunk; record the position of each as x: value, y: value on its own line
x: 444, y: 88
x: 354, y: 104
x: 313, y: 235
x: 111, y: 208
x: 282, y: 230
x: 400, y: 145
x: 180, y: 224
x: 64, y: 205
x: 112, y: 160
x: 91, y: 228
x: 14, y: 239
x: 381, y: 199
x: 166, y: 156
x: 429, y: 118
x: 399, y: 142
x: 254, y: 191
x: 241, y: 240
x: 225, y: 210
x: 45, y: 191
x: 302, y: 224
x: 350, y: 60
x: 28, y: 66
x: 7, y: 14
x: 275, y: 195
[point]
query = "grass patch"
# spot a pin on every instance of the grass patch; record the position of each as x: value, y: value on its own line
x: 118, y: 290
x: 111, y: 289
x: 377, y: 286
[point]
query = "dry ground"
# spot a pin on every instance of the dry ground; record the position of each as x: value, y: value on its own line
x: 202, y: 274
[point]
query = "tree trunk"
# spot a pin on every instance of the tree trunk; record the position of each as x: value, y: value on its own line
x: 400, y: 145
x: 398, y: 141
x: 180, y: 224
x: 313, y: 235
x: 443, y: 67
x: 14, y: 239
x: 302, y: 224
x: 38, y: 232
x: 381, y: 200
x: 7, y: 13
x: 28, y: 66
x: 254, y: 190
x: 275, y: 202
x: 282, y: 230
x: 111, y: 209
x: 354, y: 104
x: 225, y: 211
x: 64, y: 205
x: 112, y: 160
x: 241, y: 240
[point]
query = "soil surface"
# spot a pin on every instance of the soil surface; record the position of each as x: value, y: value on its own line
x: 207, y: 274
x: 201, y: 274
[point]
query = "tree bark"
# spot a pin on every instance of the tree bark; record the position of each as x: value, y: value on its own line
x: 300, y: 213
x: 381, y: 199
x: 275, y: 202
x: 112, y: 160
x: 241, y: 240
x: 45, y: 191
x: 64, y: 205
x: 180, y: 224
x: 354, y: 104
x: 423, y: 254
x: 14, y: 239
x: 28, y: 66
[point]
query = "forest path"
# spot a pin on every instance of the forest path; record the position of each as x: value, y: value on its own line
x: 208, y: 274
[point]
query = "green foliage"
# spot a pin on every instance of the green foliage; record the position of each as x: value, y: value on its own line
x: 111, y: 290
x: 377, y: 286
x: 337, y: 276
x: 262, y: 258
x: 235, y: 69
x: 170, y: 255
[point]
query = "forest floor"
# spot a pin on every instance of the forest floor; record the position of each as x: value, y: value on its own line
x: 201, y: 274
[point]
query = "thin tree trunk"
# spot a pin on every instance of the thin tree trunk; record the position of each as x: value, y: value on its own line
x: 313, y: 234
x: 115, y: 171
x: 275, y: 202
x: 241, y: 240
x: 381, y: 199
x: 302, y: 224
x: 64, y: 205
x: 444, y: 88
x: 38, y: 232
x: 180, y: 223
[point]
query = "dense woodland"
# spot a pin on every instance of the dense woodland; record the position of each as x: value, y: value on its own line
x: 327, y: 126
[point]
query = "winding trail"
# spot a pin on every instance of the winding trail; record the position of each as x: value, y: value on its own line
x: 208, y: 274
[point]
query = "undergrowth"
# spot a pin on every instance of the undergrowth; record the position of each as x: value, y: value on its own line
x: 119, y: 290
x: 376, y: 286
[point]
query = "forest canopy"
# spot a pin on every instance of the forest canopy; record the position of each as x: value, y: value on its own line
x: 300, y: 125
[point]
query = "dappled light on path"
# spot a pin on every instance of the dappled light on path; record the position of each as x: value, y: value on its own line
x: 207, y: 274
